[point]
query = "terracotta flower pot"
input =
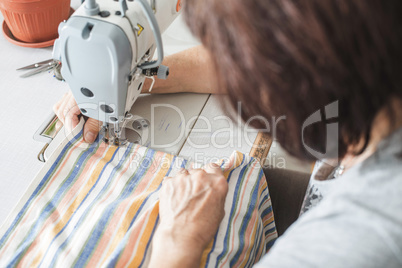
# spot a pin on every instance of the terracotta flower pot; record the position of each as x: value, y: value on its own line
x: 34, y: 21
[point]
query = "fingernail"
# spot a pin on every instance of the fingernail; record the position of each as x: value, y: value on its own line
x: 59, y: 124
x: 214, y: 165
x: 90, y: 137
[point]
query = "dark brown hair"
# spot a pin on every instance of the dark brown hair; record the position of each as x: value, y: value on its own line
x: 294, y: 57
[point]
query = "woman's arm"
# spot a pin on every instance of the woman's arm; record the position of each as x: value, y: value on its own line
x: 190, y: 70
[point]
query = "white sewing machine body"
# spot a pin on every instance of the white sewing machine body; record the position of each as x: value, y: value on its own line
x: 106, y: 54
x: 170, y: 116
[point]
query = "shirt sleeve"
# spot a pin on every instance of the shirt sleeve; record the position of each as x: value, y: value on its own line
x: 338, y: 233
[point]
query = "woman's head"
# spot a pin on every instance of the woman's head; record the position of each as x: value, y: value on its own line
x: 294, y: 57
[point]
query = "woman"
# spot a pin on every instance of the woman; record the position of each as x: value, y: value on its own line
x: 294, y: 58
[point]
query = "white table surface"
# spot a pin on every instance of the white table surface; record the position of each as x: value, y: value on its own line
x: 25, y: 103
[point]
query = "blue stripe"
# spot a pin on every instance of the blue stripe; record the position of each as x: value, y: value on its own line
x: 85, y: 214
x: 242, y: 232
x: 115, y: 256
x: 270, y: 244
x: 236, y: 193
x: 266, y: 212
x: 49, y: 208
x: 261, y: 240
x: 270, y: 231
x: 232, y: 213
x: 109, y: 212
x: 74, y: 213
x: 260, y: 231
x: 265, y: 196
x: 37, y: 189
x: 216, y: 235
x: 145, y: 200
x: 257, y: 243
x: 149, y: 241
x: 183, y: 165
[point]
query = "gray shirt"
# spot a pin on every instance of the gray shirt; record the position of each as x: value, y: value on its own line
x: 358, y: 223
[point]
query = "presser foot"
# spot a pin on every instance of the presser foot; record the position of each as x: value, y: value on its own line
x: 115, y: 141
x: 135, y: 130
x: 118, y: 141
x: 110, y: 137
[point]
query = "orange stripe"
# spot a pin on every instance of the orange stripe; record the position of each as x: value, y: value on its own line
x: 269, y: 217
x: 125, y: 223
x: 206, y: 253
x: 237, y: 215
x: 245, y: 256
x: 249, y: 239
x: 52, y: 232
x: 142, y: 242
x: 231, y: 164
x: 105, y: 240
x: 229, y: 167
x: 136, y: 199
x: 261, y: 250
x: 263, y: 185
x: 40, y: 196
x: 56, y: 214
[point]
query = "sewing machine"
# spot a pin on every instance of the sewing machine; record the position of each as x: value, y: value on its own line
x: 106, y: 52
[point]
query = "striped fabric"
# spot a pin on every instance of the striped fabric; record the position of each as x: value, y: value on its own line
x: 97, y: 205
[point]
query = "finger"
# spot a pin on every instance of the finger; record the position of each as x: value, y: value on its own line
x: 91, y: 130
x: 63, y: 107
x: 166, y: 179
x: 56, y: 110
x: 56, y: 106
x: 195, y: 171
x: 230, y: 163
x: 213, y: 169
x: 70, y: 122
x: 59, y: 124
x: 183, y: 171
x: 71, y: 118
x: 222, y: 185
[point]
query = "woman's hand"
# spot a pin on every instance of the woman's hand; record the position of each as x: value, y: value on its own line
x: 67, y: 111
x: 191, y: 208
